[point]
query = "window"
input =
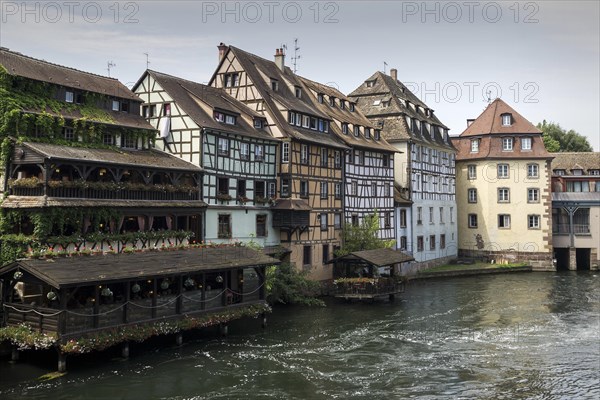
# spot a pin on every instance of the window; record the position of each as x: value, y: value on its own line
x: 272, y: 188
x: 223, y: 147
x: 261, y: 225
x: 338, y: 190
x: 285, y: 152
x: 232, y: 80
x: 324, y: 221
x: 325, y: 253
x: 258, y: 123
x: 402, y: 218
x: 345, y: 128
x: 337, y: 159
x: 152, y: 110
x: 403, y: 243
x: 259, y: 152
x: 351, y: 107
x: 431, y: 242
x: 532, y: 171
x: 244, y: 151
x: 373, y: 189
x: 472, y: 171
x: 385, y: 160
x: 503, y: 171
x: 108, y: 139
x: 69, y: 133
x: 377, y: 134
x: 387, y: 219
x: 320, y: 98
x: 306, y: 255
x: 356, y: 130
x: 533, y: 195
x: 303, y: 189
x: 342, y: 104
x: 324, y: 187
x: 472, y: 220
x: 229, y: 119
x: 125, y: 106
x: 274, y: 85
x: 298, y: 92
x: 324, y: 156
x: 441, y: 215
x: 431, y: 215
x: 285, y: 187
x: 223, y: 186
x: 354, y: 220
x: 305, y: 121
x: 337, y: 221
x: 241, y: 188
x: 115, y: 105
x: 503, y: 221
x: 332, y: 101
x: 304, y: 154
x: 357, y: 157
x: 224, y: 226
x: 129, y: 142
x: 292, y: 117
x: 145, y: 110
x: 370, y: 83
x: 503, y: 195
x: 420, y: 243
x: 451, y: 215
x: 353, y: 188
x: 526, y: 143
x: 166, y: 109
x: 475, y: 146
x: 533, y: 221
x: 79, y: 98
x: 507, y: 144
x: 419, y: 215
x: 314, y: 123
x: 442, y: 241
x: 259, y: 189
x: 472, y: 195
x: 386, y: 189
x: 506, y: 119
x: 594, y: 172
x: 69, y: 97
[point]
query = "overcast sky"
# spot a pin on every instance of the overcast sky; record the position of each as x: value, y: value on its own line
x: 541, y: 57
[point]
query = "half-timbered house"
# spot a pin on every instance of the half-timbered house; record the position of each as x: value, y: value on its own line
x: 207, y: 127
x: 369, y: 166
x: 79, y: 172
x: 424, y: 171
x: 307, y: 212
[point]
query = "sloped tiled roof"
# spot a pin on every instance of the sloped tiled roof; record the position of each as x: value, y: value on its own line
x: 490, y: 122
x: 569, y: 161
x: 386, y: 89
x: 17, y: 64
x: 119, y: 119
x: 50, y: 202
x: 136, y: 158
x: 257, y: 68
x: 187, y: 94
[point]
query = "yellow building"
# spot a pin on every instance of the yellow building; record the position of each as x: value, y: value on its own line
x: 503, y: 189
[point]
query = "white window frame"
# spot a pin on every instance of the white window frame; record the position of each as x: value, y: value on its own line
x: 304, y: 156
x: 69, y: 96
x: 503, y: 171
x: 472, y: 171
x: 472, y: 195
x: 533, y: 221
x: 285, y: 152
x: 503, y: 221
x: 503, y: 195
x: 526, y: 143
x: 244, y: 151
x: 474, y: 145
x: 259, y: 152
x: 506, y: 119
x: 533, y: 195
x: 533, y: 171
x: 507, y: 144
x: 223, y: 146
x: 472, y: 220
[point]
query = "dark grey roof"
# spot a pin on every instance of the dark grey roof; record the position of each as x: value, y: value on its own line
x: 579, y: 197
x: 154, y: 159
x: 569, y: 161
x: 17, y: 64
x: 114, y: 118
x: 78, y: 271
x: 31, y: 202
x: 377, y: 257
x: 386, y: 89
x: 257, y: 68
x: 187, y: 94
x: 292, y: 204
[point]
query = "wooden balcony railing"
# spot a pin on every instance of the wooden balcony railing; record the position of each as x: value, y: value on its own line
x: 93, y: 193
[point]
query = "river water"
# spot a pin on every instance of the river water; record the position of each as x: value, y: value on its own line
x: 525, y: 335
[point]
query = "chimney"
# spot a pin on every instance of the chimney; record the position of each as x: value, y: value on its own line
x: 394, y: 74
x: 280, y: 59
x: 469, y: 122
x: 222, y: 49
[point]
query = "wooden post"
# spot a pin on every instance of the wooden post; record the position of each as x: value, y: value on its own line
x: 126, y: 301
x: 62, y: 361
x: 154, y: 294
x: 223, y: 329
x: 96, y: 308
x: 226, y: 293
x: 264, y: 320
x: 203, y: 296
x: 179, y: 338
x: 125, y: 350
x: 179, y: 302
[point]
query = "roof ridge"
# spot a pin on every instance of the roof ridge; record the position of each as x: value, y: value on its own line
x: 16, y: 53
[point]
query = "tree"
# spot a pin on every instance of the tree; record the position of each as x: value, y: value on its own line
x: 557, y: 139
x: 363, y: 236
x: 286, y: 285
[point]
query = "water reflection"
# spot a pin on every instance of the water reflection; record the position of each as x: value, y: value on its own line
x: 497, y: 337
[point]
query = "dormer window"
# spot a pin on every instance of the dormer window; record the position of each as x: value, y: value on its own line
x: 232, y: 79
x: 115, y: 105
x: 332, y: 101
x: 474, y: 145
x: 559, y: 172
x: 385, y: 104
x: 352, y: 107
x: 342, y: 104
x: 274, y: 85
x: 221, y: 117
x: 229, y: 119
x: 594, y: 172
x: 258, y: 123
x: 320, y: 98
x: 345, y: 128
x: 305, y: 121
x: 368, y: 133
x: 69, y: 97
x: 507, y: 144
x: 356, y: 130
x: 370, y: 83
x: 506, y: 119
x: 526, y: 143
x: 377, y: 134
x: 298, y: 92
x: 577, y: 172
x: 125, y: 107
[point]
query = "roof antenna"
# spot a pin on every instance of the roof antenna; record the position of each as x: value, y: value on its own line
x: 147, y: 60
x: 296, y: 55
x: 384, y: 68
x: 489, y: 96
x: 109, y: 65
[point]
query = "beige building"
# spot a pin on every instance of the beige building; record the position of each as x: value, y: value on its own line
x: 503, y: 189
x: 576, y: 210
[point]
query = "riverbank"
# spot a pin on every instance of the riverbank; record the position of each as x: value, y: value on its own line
x: 455, y: 270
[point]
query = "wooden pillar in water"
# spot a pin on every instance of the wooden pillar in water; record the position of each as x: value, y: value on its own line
x: 125, y: 350
x: 223, y: 329
x: 62, y: 362
x: 264, y: 320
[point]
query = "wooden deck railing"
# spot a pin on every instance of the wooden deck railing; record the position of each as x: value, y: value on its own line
x: 92, y: 193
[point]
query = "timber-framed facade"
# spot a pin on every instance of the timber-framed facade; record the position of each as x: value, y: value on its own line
x: 208, y: 128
